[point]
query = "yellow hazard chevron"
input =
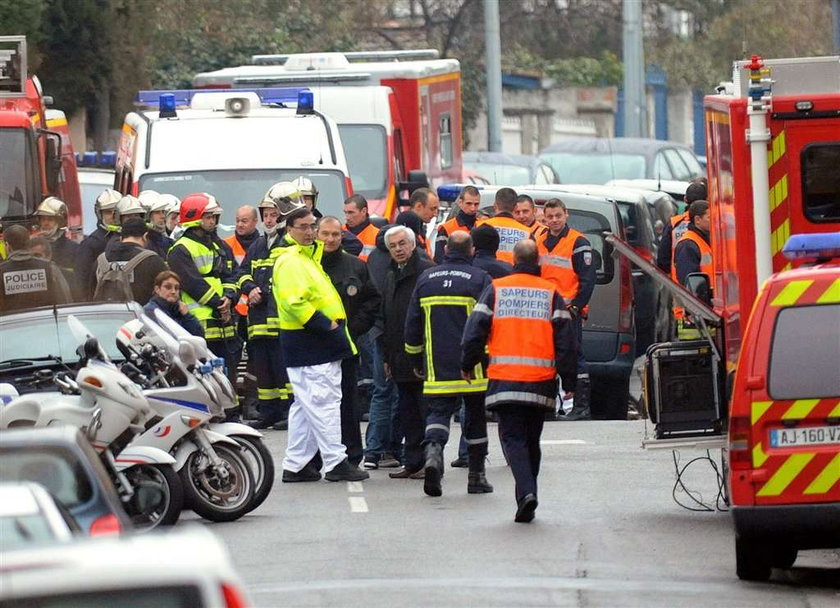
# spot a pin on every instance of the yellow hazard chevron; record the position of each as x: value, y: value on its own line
x: 830, y: 295
x: 799, y: 409
x: 829, y: 476
x: 759, y: 456
x: 779, y: 192
x: 776, y: 150
x: 791, y: 293
x: 786, y: 473
x: 780, y: 236
x: 758, y: 409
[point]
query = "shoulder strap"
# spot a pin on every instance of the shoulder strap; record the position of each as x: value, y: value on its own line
x: 102, y: 265
x: 135, y: 261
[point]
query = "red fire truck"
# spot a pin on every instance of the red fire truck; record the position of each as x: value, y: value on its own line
x: 38, y: 159
x: 398, y: 112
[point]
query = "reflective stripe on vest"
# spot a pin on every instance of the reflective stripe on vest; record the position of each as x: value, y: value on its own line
x: 706, y: 266
x: 521, y: 343
x: 556, y: 265
x: 368, y: 239
x: 202, y: 257
x: 239, y: 251
x: 510, y: 233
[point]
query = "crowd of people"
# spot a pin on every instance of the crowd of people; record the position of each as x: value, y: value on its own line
x: 486, y: 315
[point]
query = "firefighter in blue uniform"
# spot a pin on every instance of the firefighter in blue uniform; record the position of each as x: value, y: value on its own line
x: 442, y: 301
x: 274, y: 392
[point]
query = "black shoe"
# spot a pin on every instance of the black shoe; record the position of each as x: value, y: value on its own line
x: 281, y: 425
x: 262, y: 424
x: 459, y: 463
x: 371, y: 463
x: 525, y: 509
x: 305, y: 474
x: 576, y: 414
x: 344, y: 471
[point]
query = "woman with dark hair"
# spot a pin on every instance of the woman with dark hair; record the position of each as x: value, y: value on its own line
x: 167, y: 297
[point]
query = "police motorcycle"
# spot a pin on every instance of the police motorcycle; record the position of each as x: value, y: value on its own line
x: 111, y: 410
x: 226, y: 469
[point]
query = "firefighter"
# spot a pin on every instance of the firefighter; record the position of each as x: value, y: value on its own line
x: 244, y: 235
x: 525, y: 212
x: 510, y: 231
x: 693, y: 253
x: 358, y: 223
x: 28, y: 281
x: 349, y: 242
x: 208, y: 280
x: 442, y: 300
x: 156, y: 208
x: 679, y: 223
x: 466, y: 219
x: 522, y: 321
x: 425, y: 204
x: 96, y: 242
x: 173, y: 219
x: 52, y: 222
x: 566, y: 260
x: 274, y: 392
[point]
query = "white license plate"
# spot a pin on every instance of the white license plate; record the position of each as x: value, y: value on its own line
x: 806, y: 435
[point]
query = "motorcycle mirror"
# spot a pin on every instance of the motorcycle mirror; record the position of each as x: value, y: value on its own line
x: 186, y: 352
x: 94, y: 425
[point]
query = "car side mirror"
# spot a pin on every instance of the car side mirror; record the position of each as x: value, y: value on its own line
x: 91, y: 349
x: 698, y: 284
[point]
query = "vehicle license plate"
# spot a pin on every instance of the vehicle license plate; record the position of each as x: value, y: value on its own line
x: 805, y: 436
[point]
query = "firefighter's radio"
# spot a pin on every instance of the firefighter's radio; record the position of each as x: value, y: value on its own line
x: 682, y: 389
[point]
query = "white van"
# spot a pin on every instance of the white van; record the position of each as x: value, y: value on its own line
x: 233, y: 144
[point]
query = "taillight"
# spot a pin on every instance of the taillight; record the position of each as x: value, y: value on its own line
x: 740, y: 456
x: 233, y: 596
x: 625, y: 314
x: 105, y: 525
x: 135, y: 188
x: 349, y: 184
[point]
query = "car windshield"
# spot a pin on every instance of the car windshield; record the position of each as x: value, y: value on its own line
x: 580, y: 168
x: 236, y: 187
x: 502, y: 175
x: 58, y: 470
x: 366, y: 152
x: 16, y: 183
x: 16, y: 336
x: 24, y: 530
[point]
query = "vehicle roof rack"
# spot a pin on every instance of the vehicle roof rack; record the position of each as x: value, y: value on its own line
x: 410, y: 55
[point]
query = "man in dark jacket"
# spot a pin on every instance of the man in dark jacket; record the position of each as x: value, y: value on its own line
x: 350, y: 277
x: 443, y: 299
x: 674, y: 229
x: 27, y: 281
x: 522, y: 321
x: 133, y: 243
x: 486, y: 243
x: 52, y: 221
x: 406, y: 266
x: 96, y: 242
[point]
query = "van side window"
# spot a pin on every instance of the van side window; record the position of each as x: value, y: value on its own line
x: 812, y: 330
x: 593, y: 226
x: 821, y: 181
x: 445, y: 141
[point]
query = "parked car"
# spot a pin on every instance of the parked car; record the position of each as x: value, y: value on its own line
x: 29, y: 515
x: 28, y: 364
x: 181, y: 568
x: 60, y: 459
x: 675, y: 188
x: 592, y: 160
x: 92, y: 182
x: 608, y: 333
x: 510, y: 169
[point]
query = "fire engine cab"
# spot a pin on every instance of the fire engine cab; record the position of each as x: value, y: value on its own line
x: 38, y: 159
x: 399, y: 112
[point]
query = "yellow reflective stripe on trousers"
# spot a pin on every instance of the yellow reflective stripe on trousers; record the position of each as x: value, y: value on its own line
x: 413, y: 350
x: 443, y: 387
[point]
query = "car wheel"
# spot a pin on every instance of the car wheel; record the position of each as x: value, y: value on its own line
x: 610, y: 398
x: 784, y: 557
x: 751, y: 563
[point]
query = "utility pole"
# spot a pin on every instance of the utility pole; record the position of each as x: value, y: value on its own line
x: 493, y: 47
x: 835, y: 21
x: 635, y: 103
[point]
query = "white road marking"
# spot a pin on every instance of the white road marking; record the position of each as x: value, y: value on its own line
x: 563, y: 442
x: 355, y: 486
x: 358, y: 504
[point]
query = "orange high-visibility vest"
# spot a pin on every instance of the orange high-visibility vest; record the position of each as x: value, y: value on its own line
x: 368, y: 239
x: 521, y: 342
x: 239, y: 253
x: 706, y: 266
x: 450, y: 226
x: 679, y: 226
x: 510, y: 233
x: 556, y: 265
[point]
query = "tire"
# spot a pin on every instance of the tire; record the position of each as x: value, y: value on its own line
x: 784, y: 557
x: 167, y: 496
x: 610, y: 398
x: 212, y: 497
x: 751, y: 563
x: 261, y: 463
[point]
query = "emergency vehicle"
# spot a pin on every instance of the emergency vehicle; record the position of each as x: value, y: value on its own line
x: 399, y: 112
x: 38, y: 159
x: 234, y: 144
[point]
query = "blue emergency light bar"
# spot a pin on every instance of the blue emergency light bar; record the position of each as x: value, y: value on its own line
x: 450, y: 192
x: 106, y: 159
x: 817, y: 245
x: 183, y: 97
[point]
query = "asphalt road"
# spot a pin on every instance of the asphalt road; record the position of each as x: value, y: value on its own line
x: 607, y: 533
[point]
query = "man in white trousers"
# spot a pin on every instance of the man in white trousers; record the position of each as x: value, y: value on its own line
x: 314, y: 339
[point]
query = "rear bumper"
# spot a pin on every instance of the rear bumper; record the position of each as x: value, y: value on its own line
x: 807, y: 526
x: 614, y: 363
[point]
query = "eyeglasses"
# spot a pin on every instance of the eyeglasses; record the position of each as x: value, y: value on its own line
x: 304, y: 227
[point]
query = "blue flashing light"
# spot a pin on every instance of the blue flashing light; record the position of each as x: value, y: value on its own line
x: 450, y: 192
x: 90, y: 159
x: 183, y: 97
x: 108, y: 159
x: 217, y: 362
x: 205, y: 368
x: 305, y: 102
x: 167, y: 105
x: 817, y: 245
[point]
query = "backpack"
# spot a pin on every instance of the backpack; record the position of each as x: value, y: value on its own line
x: 113, y: 279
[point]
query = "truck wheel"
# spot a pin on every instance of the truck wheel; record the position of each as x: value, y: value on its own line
x: 610, y: 398
x: 751, y: 560
x: 784, y: 557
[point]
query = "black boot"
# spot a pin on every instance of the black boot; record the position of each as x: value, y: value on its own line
x: 344, y: 471
x: 476, y: 479
x: 433, y: 469
x: 580, y: 409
